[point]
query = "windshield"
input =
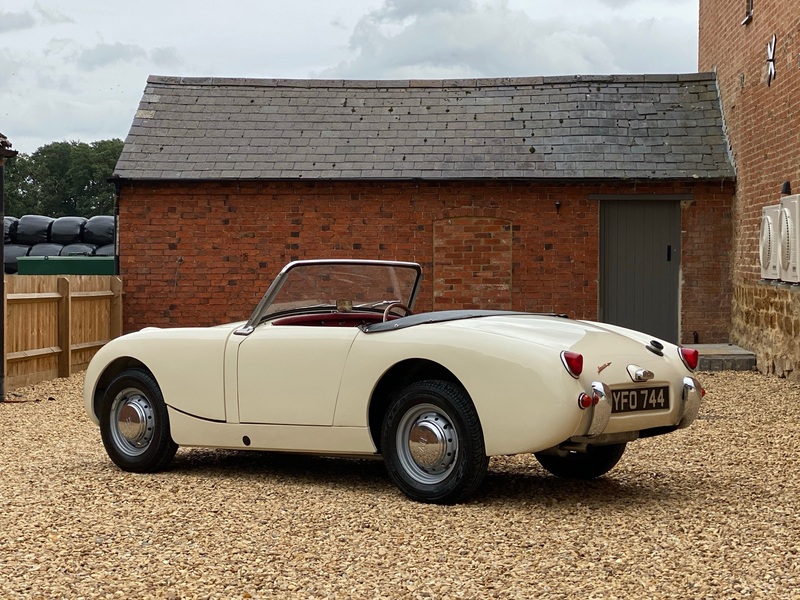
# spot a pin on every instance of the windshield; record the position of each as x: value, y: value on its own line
x: 304, y: 286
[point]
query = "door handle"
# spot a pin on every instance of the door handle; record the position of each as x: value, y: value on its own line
x: 669, y: 253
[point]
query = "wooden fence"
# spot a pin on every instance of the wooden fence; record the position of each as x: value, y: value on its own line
x: 56, y: 323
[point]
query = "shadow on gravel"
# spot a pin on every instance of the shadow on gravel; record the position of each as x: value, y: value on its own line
x: 284, y: 467
x: 522, y: 485
x: 537, y: 488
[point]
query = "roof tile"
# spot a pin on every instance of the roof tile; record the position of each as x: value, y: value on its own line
x: 620, y: 126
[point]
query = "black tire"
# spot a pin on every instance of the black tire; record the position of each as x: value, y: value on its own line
x: 596, y: 461
x: 134, y: 423
x: 448, y: 462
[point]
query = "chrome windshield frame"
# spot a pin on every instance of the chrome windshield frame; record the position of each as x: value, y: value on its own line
x: 277, y: 284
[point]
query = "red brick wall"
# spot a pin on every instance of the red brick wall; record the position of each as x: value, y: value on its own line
x: 705, y: 265
x: 763, y: 124
x: 203, y: 253
x: 472, y: 259
x: 763, y: 121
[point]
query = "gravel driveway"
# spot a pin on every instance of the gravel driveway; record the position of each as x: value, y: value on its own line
x: 708, y: 512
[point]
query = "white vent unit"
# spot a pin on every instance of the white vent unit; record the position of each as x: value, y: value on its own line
x: 789, y: 257
x: 770, y: 243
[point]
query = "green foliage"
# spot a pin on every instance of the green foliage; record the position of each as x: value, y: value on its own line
x: 63, y: 178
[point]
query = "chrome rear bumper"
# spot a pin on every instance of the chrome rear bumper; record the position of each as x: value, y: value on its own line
x: 691, y: 396
x: 601, y: 411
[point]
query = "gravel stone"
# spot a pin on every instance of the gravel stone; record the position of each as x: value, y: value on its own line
x: 712, y: 511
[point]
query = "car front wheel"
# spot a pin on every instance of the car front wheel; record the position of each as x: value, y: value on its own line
x: 432, y: 443
x: 134, y: 423
x: 596, y: 461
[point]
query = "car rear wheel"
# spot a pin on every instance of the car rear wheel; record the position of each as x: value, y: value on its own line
x: 432, y: 443
x: 596, y: 461
x: 134, y: 423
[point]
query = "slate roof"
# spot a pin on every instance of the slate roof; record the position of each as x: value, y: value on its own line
x: 618, y: 127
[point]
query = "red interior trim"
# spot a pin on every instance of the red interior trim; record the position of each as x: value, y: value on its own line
x: 338, y: 319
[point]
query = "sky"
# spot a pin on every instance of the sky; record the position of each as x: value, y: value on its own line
x: 76, y: 70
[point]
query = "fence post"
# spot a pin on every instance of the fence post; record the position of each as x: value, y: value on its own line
x: 64, y: 327
x: 5, y: 341
x: 115, y: 326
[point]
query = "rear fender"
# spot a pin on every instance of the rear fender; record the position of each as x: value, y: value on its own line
x: 525, y: 399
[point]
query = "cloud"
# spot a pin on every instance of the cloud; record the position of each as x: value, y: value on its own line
x: 8, y: 69
x: 165, y: 57
x: 406, y: 39
x: 467, y: 40
x: 16, y: 21
x: 19, y: 21
x: 403, y: 9
x: 652, y: 45
x: 103, y: 55
x: 74, y: 92
x: 65, y: 117
x: 52, y: 16
x: 68, y: 70
x: 617, y: 3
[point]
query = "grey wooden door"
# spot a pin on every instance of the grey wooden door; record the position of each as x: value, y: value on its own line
x: 640, y: 265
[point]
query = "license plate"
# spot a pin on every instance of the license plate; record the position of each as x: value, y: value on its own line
x: 639, y: 399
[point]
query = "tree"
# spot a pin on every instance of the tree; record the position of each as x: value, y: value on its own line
x: 17, y: 186
x: 63, y: 178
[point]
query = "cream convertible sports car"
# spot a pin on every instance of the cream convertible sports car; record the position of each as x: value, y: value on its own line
x: 333, y: 361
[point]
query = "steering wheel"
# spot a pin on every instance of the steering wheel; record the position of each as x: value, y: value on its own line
x: 394, y: 305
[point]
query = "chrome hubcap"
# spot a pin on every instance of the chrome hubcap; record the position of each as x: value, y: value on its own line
x: 427, y: 443
x: 132, y: 421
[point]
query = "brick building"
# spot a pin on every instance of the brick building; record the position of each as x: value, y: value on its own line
x: 759, y: 82
x: 602, y: 197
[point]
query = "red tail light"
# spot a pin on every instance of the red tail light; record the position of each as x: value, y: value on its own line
x: 585, y: 400
x: 573, y: 362
x: 690, y: 357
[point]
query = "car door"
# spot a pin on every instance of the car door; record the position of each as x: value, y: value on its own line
x: 290, y: 374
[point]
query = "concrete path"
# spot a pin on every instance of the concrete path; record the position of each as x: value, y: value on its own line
x: 724, y: 357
